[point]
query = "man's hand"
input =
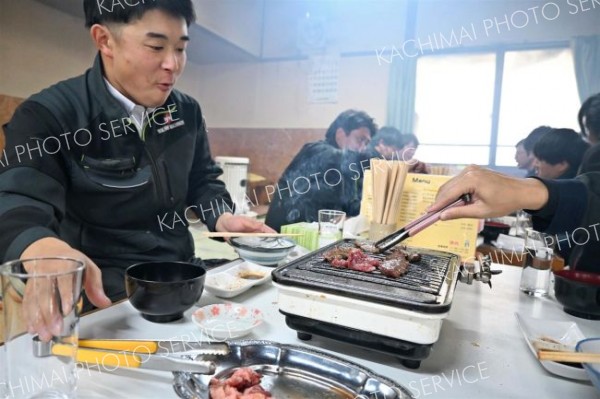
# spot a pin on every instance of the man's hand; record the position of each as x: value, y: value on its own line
x: 492, y: 194
x: 39, y: 303
x: 228, y: 222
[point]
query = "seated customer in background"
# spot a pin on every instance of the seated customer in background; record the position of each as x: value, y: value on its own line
x: 411, y: 143
x: 525, y: 159
x: 589, y: 122
x: 387, y: 144
x: 558, y: 154
x: 325, y: 174
x: 390, y: 144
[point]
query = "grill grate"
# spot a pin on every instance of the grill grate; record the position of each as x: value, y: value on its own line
x: 426, y: 281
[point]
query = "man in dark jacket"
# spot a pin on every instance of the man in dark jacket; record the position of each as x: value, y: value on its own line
x: 325, y: 174
x: 589, y: 122
x: 106, y: 166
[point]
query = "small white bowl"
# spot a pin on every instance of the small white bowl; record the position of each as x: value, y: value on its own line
x: 264, y: 251
x: 237, y: 279
x: 227, y: 321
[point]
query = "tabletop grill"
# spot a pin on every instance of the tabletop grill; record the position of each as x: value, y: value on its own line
x: 400, y: 316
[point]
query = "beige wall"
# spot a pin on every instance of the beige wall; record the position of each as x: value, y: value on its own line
x: 275, y: 94
x: 39, y: 46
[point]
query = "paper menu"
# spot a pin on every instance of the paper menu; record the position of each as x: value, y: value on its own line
x: 457, y: 236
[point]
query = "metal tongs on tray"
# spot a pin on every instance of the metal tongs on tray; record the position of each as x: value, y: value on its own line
x: 147, y: 354
x: 417, y: 225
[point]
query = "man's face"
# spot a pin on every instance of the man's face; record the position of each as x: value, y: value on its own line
x: 357, y: 140
x: 148, y: 55
x: 388, y: 152
x: 408, y: 151
x: 549, y: 171
x: 523, y: 159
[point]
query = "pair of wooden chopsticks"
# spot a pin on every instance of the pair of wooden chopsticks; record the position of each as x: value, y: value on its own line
x: 218, y: 234
x: 569, y: 357
x: 388, y: 182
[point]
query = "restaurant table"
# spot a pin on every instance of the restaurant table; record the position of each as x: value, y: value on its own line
x: 481, y: 352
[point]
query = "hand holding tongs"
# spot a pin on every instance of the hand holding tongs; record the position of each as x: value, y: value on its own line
x: 417, y: 225
x: 153, y: 355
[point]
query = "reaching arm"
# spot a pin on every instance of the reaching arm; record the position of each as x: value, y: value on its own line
x: 493, y: 194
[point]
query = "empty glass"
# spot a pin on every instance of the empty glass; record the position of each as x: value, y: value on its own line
x: 331, y: 226
x: 42, y: 292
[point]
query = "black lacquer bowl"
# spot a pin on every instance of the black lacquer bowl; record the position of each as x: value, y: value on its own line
x: 578, y: 292
x: 162, y: 291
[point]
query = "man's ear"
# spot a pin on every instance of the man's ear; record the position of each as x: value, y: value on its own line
x: 340, y: 137
x: 103, y: 39
x: 562, y: 166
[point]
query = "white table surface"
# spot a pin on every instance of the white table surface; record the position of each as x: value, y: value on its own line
x: 481, y: 352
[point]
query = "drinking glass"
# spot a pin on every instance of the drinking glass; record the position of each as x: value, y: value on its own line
x: 331, y: 226
x: 40, y: 292
x: 537, y: 263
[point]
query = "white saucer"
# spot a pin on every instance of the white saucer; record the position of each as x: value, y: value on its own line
x: 566, y: 333
x: 237, y: 279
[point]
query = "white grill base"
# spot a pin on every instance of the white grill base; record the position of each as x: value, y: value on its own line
x: 389, y: 321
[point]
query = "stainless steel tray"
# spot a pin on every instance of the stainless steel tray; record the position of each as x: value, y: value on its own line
x: 293, y: 372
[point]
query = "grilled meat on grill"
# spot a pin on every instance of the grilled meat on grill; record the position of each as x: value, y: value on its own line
x: 351, y: 258
x: 367, y: 246
x: 394, y: 267
x: 395, y: 263
x: 340, y: 253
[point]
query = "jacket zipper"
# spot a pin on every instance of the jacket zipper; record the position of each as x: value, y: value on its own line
x: 158, y: 182
x: 157, y: 179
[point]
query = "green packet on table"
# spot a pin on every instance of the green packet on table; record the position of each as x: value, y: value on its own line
x: 310, y: 234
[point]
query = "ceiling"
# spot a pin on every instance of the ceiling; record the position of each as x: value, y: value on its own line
x: 205, y: 47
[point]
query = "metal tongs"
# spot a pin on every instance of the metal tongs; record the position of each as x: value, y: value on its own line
x: 417, y: 225
x: 154, y: 355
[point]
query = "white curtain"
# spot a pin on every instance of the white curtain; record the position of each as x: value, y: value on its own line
x: 586, y: 54
x: 401, y: 94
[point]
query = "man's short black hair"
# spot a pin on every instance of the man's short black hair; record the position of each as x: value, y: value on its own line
x: 110, y: 11
x: 590, y: 110
x: 560, y: 145
x: 533, y: 137
x: 410, y: 138
x: 521, y: 142
x: 350, y: 120
x: 390, y: 137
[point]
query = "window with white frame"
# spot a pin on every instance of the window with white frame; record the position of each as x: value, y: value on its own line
x: 474, y: 107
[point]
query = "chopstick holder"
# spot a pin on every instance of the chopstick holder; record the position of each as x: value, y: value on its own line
x: 418, y: 225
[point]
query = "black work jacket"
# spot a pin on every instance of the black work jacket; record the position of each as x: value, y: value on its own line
x: 76, y: 168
